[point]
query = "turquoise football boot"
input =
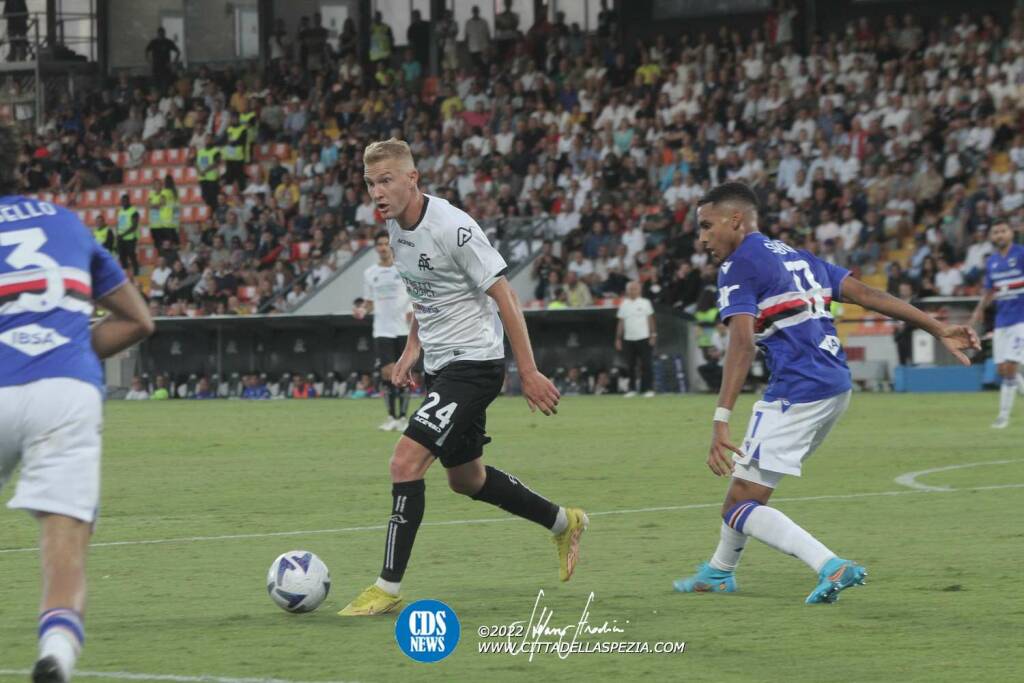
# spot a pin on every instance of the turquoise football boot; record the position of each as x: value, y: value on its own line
x: 836, y: 576
x: 707, y: 580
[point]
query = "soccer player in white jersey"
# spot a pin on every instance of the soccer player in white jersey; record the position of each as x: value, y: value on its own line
x: 384, y: 296
x: 460, y: 296
x: 777, y: 298
x: 1004, y: 284
x: 51, y: 391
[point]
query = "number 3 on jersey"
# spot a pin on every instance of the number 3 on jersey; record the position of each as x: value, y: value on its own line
x: 26, y: 254
x: 442, y: 415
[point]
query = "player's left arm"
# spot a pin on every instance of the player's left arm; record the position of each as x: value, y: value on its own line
x: 956, y: 338
x: 538, y: 390
x: 485, y: 269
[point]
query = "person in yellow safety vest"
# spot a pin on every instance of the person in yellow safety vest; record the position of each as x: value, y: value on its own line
x: 163, y: 213
x: 248, y: 118
x: 236, y: 141
x: 128, y: 235
x: 706, y: 320
x: 104, y: 235
x: 381, y: 39
x: 207, y: 160
x: 155, y: 198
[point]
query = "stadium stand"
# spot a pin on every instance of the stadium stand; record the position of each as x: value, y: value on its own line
x: 889, y: 149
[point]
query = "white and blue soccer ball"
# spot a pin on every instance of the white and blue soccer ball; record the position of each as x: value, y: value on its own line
x: 298, y: 581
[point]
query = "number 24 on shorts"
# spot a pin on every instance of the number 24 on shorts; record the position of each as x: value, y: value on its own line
x: 442, y: 415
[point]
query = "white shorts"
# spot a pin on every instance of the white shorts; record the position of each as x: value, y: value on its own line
x: 1008, y: 344
x: 52, y: 426
x: 780, y: 437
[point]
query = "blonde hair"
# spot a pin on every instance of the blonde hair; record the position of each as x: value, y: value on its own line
x: 385, y: 150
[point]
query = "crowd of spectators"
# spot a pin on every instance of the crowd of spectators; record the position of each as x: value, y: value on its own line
x: 887, y: 134
x: 258, y: 386
x: 572, y: 381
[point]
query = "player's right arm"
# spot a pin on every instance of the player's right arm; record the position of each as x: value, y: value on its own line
x: 403, y: 366
x: 127, y: 323
x: 986, y: 298
x: 956, y: 338
x: 739, y: 356
x: 738, y: 288
x: 979, y: 311
x: 366, y: 307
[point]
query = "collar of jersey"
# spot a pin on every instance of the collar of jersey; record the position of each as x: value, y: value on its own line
x: 423, y: 212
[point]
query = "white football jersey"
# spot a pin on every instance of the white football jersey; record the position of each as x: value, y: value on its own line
x: 384, y: 287
x: 448, y: 265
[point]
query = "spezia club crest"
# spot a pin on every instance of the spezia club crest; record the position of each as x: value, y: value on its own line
x: 427, y: 630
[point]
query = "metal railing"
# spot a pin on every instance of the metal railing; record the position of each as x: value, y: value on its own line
x: 303, y: 278
x: 25, y: 36
x: 517, y: 237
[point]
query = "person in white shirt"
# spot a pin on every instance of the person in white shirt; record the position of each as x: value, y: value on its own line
x: 583, y: 268
x: 977, y: 254
x: 154, y: 124
x: 568, y: 219
x: 828, y: 229
x: 138, y: 391
x: 847, y: 167
x: 384, y: 296
x: 636, y: 334
x: 464, y: 306
x: 789, y: 167
x: 478, y: 37
x: 158, y: 279
x: 850, y: 230
x: 948, y: 280
x: 800, y: 189
x: 634, y: 240
x: 675, y: 191
x: 365, y: 213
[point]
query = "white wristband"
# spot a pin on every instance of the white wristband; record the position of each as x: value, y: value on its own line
x: 722, y: 415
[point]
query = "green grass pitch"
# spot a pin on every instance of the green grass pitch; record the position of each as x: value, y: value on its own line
x: 943, y: 600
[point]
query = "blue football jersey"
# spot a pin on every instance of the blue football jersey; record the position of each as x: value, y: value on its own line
x: 1004, y: 275
x: 788, y: 292
x: 51, y: 269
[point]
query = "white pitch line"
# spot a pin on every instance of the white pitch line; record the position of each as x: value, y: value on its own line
x: 173, y: 678
x: 493, y: 520
x: 910, y: 478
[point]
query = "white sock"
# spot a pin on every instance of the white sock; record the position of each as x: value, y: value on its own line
x: 61, y: 636
x: 772, y: 527
x: 389, y: 587
x: 561, y: 522
x: 1006, y: 393
x: 730, y: 547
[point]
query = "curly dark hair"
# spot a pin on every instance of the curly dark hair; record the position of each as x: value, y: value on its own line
x: 731, y: 191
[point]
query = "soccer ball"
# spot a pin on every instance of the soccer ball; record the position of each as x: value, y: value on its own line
x: 298, y: 581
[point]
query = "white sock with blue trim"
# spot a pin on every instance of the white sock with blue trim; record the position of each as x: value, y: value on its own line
x: 772, y: 527
x: 1007, y: 392
x: 730, y: 547
x: 61, y: 636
